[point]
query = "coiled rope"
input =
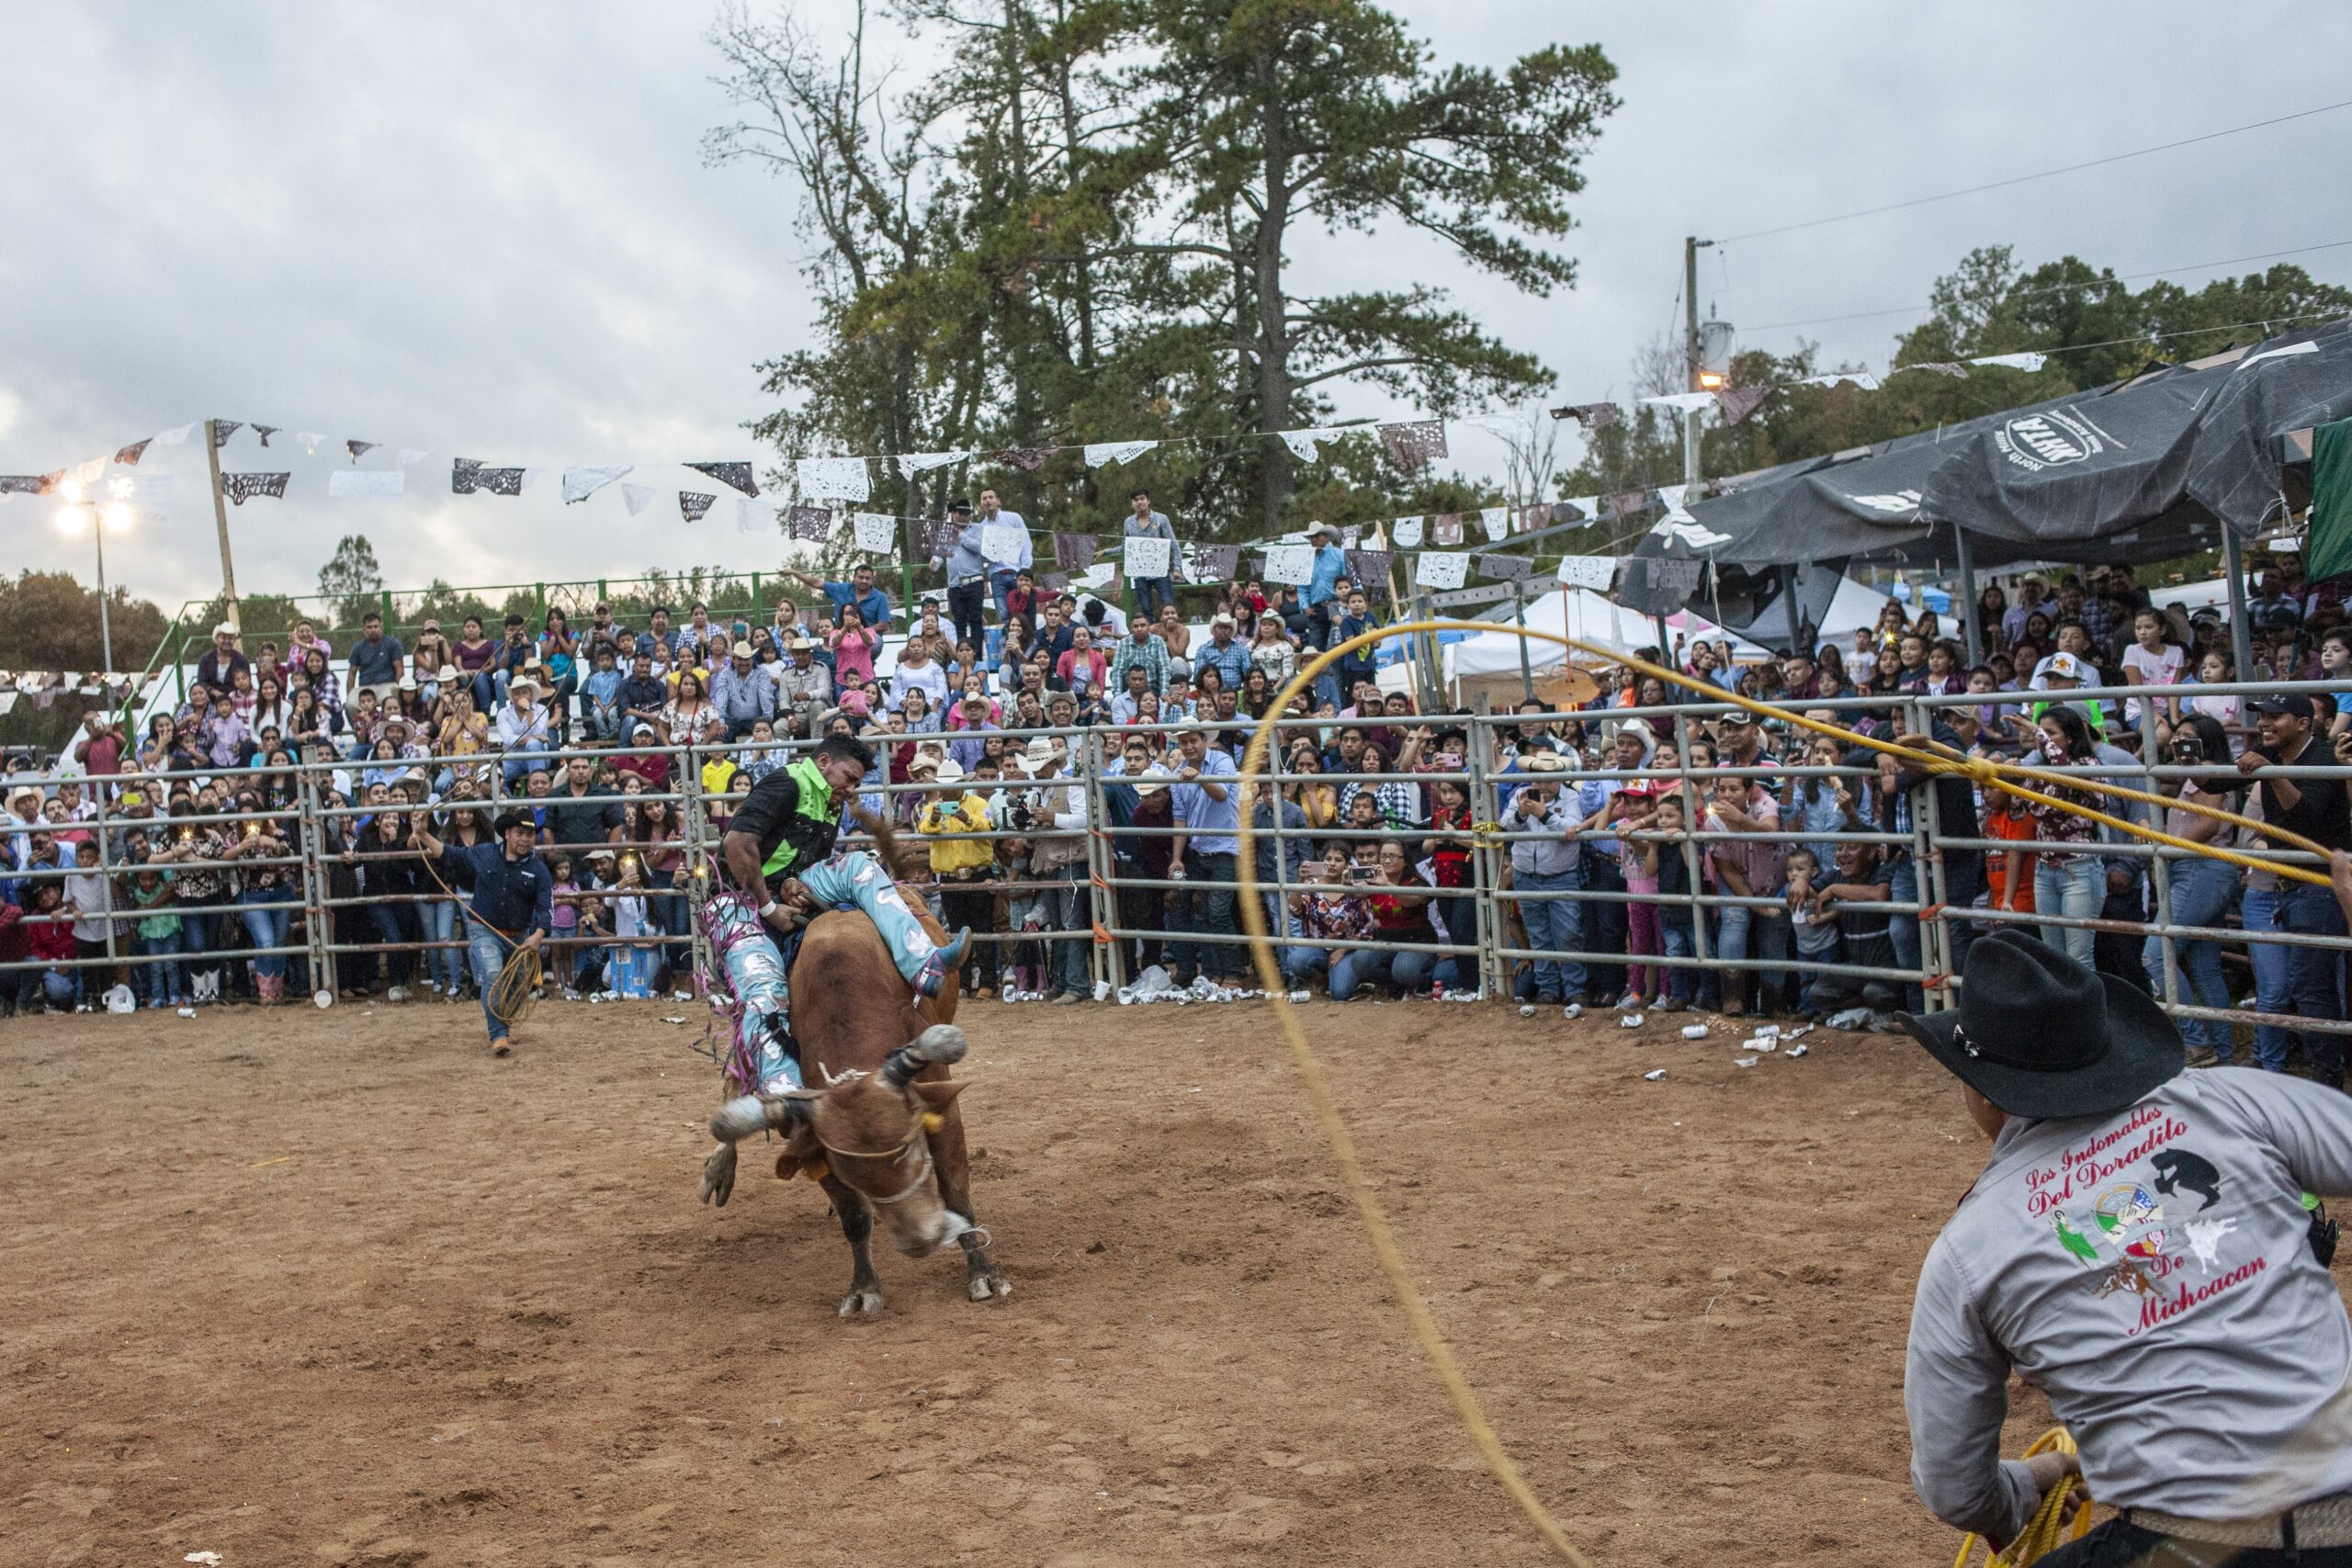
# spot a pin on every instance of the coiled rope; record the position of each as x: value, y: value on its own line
x: 2050, y: 1528
x: 1926, y: 755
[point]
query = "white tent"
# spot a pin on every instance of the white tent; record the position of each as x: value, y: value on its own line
x: 1589, y: 617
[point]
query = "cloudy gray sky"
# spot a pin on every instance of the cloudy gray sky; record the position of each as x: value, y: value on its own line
x: 486, y: 231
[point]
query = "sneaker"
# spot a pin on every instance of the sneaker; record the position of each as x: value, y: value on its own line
x: 2203, y: 1056
x: 1672, y: 1004
x: 1629, y: 1002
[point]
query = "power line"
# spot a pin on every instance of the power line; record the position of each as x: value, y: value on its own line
x: 2058, y: 288
x: 2023, y: 179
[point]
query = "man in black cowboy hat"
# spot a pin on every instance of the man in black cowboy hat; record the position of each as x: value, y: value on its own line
x: 512, y: 905
x: 2138, y: 1247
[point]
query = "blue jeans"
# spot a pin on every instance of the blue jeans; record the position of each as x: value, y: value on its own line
x: 1903, y: 930
x: 1769, y: 933
x: 2273, y: 976
x: 1067, y: 909
x: 488, y: 953
x: 1681, y: 980
x: 396, y: 923
x: 1209, y: 909
x: 268, y: 927
x: 1001, y: 585
x: 1552, y: 925
x: 1823, y: 950
x: 1403, y: 971
x: 163, y: 978
x: 1153, y: 594
x: 444, y: 963
x: 2075, y: 889
x: 2202, y: 890
x: 2315, y: 974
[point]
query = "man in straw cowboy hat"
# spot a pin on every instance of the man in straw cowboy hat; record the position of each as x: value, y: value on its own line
x: 2139, y: 1248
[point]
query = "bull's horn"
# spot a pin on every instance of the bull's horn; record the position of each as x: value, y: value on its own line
x: 940, y: 1042
x: 747, y: 1114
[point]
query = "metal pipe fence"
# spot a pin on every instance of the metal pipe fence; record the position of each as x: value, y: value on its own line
x: 1092, y: 902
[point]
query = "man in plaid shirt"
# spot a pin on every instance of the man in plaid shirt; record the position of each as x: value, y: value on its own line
x: 1141, y: 648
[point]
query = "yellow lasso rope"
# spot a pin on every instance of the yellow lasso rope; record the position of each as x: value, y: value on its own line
x: 1927, y: 756
x: 2049, y: 1529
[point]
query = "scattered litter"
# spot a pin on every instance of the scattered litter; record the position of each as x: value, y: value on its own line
x: 1694, y: 1032
x: 1464, y: 996
x: 1102, y: 990
x: 1744, y: 1061
x: 776, y: 1421
x: 1527, y: 1009
x: 208, y: 1559
x: 673, y: 1021
x: 1301, y: 996
x: 1799, y: 1032
x: 1852, y: 1018
x: 187, y: 1013
x: 119, y: 999
x: 1760, y: 1043
x: 1768, y: 1031
x: 1573, y: 1011
x: 452, y: 1436
x: 1631, y: 1021
x: 682, y: 996
x: 324, y: 998
x: 1796, y: 1050
x: 1654, y: 1077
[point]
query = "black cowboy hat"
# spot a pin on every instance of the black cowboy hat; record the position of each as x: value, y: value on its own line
x: 509, y: 820
x: 2040, y: 1036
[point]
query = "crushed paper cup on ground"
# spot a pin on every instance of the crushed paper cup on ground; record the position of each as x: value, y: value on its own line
x: 1745, y: 1061
x: 1654, y: 1077
x: 1796, y: 1050
x: 1631, y: 1021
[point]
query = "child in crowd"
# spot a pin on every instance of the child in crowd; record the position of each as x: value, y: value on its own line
x: 563, y: 921
x: 1634, y: 806
x: 1667, y: 871
x: 159, y: 934
x: 1816, y: 938
x: 85, y: 898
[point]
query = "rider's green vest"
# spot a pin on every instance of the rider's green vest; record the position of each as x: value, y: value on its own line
x: 808, y: 837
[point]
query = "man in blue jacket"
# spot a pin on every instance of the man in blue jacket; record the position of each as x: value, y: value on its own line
x: 514, y: 894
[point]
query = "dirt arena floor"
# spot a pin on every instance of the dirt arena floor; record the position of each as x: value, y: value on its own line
x: 339, y: 1289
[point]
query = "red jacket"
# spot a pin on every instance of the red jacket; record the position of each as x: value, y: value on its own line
x: 21, y: 943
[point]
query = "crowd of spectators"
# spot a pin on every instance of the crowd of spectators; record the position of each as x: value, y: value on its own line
x: 1370, y: 828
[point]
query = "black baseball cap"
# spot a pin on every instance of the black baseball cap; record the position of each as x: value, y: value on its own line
x: 959, y: 504
x: 2285, y: 705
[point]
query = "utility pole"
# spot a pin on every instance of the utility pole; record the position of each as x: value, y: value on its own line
x: 1692, y: 244
x: 220, y: 522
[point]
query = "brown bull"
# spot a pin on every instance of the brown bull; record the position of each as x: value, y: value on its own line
x: 883, y: 1132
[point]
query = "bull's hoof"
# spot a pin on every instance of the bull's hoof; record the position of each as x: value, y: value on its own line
x: 985, y: 1287
x: 862, y: 1301
x: 942, y: 1043
x: 719, y: 1176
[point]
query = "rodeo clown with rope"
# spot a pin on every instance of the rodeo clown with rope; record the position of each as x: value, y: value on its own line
x: 2142, y: 1247
x: 778, y: 870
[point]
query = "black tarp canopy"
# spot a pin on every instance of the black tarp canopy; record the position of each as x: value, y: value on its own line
x: 2239, y: 471
x: 2138, y: 471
